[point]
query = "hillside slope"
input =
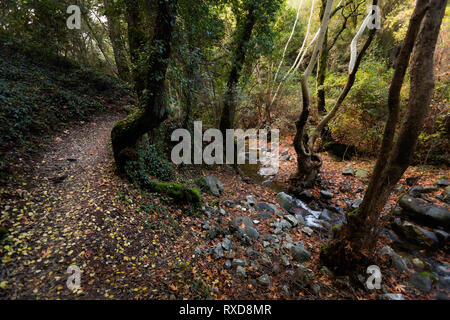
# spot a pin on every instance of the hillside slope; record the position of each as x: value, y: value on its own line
x: 41, y: 93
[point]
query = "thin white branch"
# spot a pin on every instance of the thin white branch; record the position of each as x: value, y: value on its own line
x: 353, y: 45
x: 289, y: 40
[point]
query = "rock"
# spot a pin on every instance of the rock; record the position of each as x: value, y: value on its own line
x: 429, y: 215
x: 442, y: 182
x: 240, y: 272
x: 264, y: 280
x: 348, y: 171
x: 300, y: 254
x: 306, y: 195
x: 238, y: 262
x: 266, y: 207
x: 266, y: 183
x: 308, y: 230
x: 205, y: 225
x: 265, y: 244
x: 417, y: 235
x: 228, y: 203
x: 218, y: 251
x: 226, y: 244
x: 391, y: 296
x: 300, y: 219
x: 252, y: 233
x: 326, y: 194
x: 388, y: 251
x: 214, y: 185
x: 222, y: 212
x: 326, y: 215
x: 362, y: 173
x: 284, y: 225
x: 327, y: 272
x: 446, y: 195
x: 291, y: 219
x: 418, y: 263
x: 442, y: 236
x: 302, y: 276
x: 250, y: 200
x: 421, y: 281
x: 399, y: 263
x: 285, y: 201
x: 228, y: 264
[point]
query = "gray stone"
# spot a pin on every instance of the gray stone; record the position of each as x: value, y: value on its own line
x: 264, y: 280
x: 399, y: 263
x: 300, y: 254
x: 266, y: 207
x: 218, y: 251
x: 442, y: 236
x: 285, y: 201
x: 238, y: 262
x: 348, y: 171
x: 229, y: 203
x: 240, y: 271
x: 326, y: 215
x: 308, y: 230
x: 291, y: 219
x: 442, y: 182
x: 266, y: 183
x: 250, y: 200
x: 228, y: 264
x: 300, y: 219
x: 226, y: 244
x: 417, y: 235
x: 326, y: 194
x: 214, y: 185
x: 421, y: 281
x: 302, y: 276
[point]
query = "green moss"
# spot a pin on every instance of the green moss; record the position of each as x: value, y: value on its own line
x: 430, y: 275
x: 175, y: 190
x: 336, y: 227
x: 324, y: 247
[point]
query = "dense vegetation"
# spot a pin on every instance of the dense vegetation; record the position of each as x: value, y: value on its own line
x: 319, y: 71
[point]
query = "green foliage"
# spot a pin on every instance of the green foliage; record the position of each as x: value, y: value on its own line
x: 41, y: 92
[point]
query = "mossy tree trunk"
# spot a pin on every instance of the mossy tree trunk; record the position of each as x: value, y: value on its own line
x: 136, y: 42
x: 240, y: 49
x: 152, y: 104
x: 354, y: 247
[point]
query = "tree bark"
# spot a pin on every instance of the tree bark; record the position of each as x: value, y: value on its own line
x: 136, y: 41
x: 240, y: 50
x: 152, y: 109
x: 353, y: 248
x: 322, y: 68
x: 308, y: 164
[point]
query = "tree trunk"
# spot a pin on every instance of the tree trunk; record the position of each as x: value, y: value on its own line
x: 240, y: 50
x: 136, y: 41
x: 350, y: 81
x: 152, y: 110
x: 116, y: 40
x: 308, y: 164
x: 354, y: 247
x: 322, y: 68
